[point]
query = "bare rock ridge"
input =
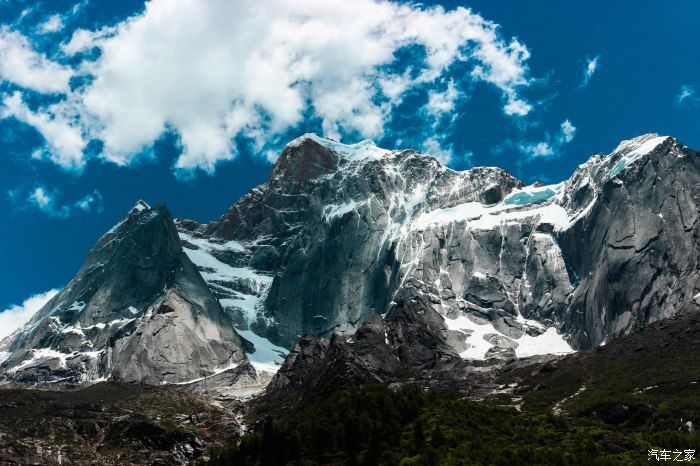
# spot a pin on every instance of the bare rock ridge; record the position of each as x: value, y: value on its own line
x: 137, y: 311
x: 516, y: 270
x: 412, y: 267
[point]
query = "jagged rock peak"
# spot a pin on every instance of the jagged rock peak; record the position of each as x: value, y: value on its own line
x: 140, y: 206
x: 650, y: 139
x: 583, y: 187
x: 140, y: 216
x: 138, y: 310
x: 302, y: 161
x: 311, y: 156
x: 627, y: 152
x: 365, y: 149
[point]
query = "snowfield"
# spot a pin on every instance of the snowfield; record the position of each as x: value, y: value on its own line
x: 267, y: 356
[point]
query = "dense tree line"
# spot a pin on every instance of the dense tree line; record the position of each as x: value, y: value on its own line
x: 375, y: 425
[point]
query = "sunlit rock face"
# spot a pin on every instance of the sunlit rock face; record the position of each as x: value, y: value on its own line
x: 340, y: 230
x: 413, y: 266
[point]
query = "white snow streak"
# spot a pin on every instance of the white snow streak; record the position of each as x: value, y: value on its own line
x: 267, y: 356
x: 637, y: 153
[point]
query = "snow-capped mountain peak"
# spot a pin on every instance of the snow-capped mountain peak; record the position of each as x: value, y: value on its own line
x: 346, y: 236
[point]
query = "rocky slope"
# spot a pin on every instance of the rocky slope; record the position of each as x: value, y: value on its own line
x: 340, y: 231
x: 109, y: 424
x: 138, y: 311
x: 427, y: 267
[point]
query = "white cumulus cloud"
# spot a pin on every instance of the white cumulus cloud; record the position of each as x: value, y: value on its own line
x: 215, y: 70
x: 552, y: 145
x: 517, y: 107
x: 16, y: 316
x: 21, y: 65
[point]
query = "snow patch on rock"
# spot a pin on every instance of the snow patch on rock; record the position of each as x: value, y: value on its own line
x: 363, y: 150
x: 267, y: 356
x: 532, y: 194
x: 638, y: 150
x: 478, y: 346
x: 548, y: 342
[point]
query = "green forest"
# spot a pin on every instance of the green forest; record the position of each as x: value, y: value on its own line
x: 374, y: 425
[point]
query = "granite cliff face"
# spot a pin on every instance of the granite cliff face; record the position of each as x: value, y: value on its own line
x: 340, y: 230
x: 138, y: 311
x: 438, y: 266
x: 634, y: 251
x: 328, y: 227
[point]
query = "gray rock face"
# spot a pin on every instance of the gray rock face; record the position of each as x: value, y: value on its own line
x: 635, y: 252
x: 413, y: 267
x: 326, y: 225
x: 340, y: 231
x: 138, y: 311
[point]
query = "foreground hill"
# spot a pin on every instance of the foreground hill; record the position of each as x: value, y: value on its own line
x: 640, y: 392
x: 609, y: 405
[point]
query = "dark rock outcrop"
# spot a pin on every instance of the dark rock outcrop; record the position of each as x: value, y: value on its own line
x: 409, y: 344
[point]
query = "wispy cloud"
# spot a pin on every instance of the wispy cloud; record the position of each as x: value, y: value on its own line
x: 64, y: 139
x: 687, y: 95
x: 16, y: 316
x: 47, y: 201
x: 53, y: 23
x: 442, y: 101
x: 592, y: 65
x: 567, y: 132
x: 552, y: 145
x: 440, y: 113
x: 445, y: 153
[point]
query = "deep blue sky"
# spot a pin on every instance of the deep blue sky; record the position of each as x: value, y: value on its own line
x: 647, y: 52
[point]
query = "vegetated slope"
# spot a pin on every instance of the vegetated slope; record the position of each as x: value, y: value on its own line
x: 638, y: 388
x: 108, y: 423
x: 648, y: 380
